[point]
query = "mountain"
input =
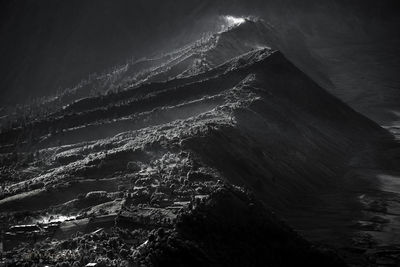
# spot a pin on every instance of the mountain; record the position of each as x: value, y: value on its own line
x: 210, y: 51
x: 348, y: 47
x: 226, y: 110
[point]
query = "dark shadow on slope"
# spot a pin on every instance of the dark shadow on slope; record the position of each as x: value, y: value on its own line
x: 233, y: 229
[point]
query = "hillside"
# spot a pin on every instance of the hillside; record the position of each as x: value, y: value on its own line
x: 221, y: 111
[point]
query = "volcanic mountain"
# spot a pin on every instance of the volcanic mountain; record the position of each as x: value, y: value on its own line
x: 224, y: 114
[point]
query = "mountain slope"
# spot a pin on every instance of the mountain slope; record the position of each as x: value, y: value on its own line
x: 132, y: 158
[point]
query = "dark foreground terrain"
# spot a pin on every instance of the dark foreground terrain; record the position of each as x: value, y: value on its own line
x: 188, y: 159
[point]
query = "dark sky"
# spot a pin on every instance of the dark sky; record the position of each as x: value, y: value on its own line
x: 49, y: 44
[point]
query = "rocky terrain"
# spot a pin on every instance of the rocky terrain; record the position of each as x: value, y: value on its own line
x: 187, y: 154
